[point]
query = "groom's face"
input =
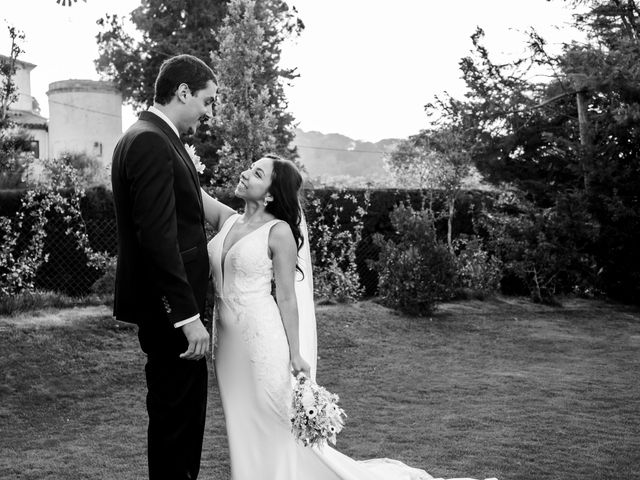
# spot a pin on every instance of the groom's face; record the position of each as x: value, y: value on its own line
x: 198, y: 106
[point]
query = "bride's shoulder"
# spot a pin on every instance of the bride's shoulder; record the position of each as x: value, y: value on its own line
x: 280, y: 227
x: 282, y: 244
x: 280, y: 232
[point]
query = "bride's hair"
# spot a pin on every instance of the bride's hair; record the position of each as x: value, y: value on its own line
x: 286, y: 183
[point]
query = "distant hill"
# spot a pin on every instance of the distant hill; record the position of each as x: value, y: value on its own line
x: 335, y: 155
x: 334, y: 159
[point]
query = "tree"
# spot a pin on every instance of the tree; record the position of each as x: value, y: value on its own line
x: 455, y: 165
x: 575, y: 135
x: 414, y: 164
x: 190, y: 26
x: 8, y: 89
x: 279, y: 23
x: 504, y: 126
x: 166, y: 29
x: 15, y: 142
x: 433, y: 160
x: 244, y: 119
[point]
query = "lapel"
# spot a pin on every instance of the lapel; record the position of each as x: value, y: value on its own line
x: 178, y: 145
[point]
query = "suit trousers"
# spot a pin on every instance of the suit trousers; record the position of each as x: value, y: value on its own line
x: 176, y: 402
x: 176, y: 405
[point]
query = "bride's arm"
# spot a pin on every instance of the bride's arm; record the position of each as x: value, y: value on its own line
x: 285, y: 255
x: 215, y: 212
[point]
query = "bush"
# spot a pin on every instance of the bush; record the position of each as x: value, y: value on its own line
x: 89, y: 171
x: 415, y: 269
x: 27, y: 261
x: 616, y: 249
x: 105, y: 285
x: 335, y: 230
x: 331, y: 284
x: 15, y: 156
x: 547, y: 249
x: 479, y: 272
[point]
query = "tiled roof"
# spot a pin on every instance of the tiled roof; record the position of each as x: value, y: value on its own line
x: 22, y: 63
x: 26, y: 117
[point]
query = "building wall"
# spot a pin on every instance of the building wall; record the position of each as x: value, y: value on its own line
x: 22, y: 81
x: 42, y: 137
x: 84, y: 116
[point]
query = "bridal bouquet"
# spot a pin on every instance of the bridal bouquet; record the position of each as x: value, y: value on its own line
x: 315, y: 414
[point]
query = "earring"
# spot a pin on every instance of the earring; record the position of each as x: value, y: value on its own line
x: 266, y: 202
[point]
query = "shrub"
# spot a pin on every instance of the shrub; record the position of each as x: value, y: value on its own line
x: 15, y: 155
x: 616, y: 248
x: 331, y: 283
x: 89, y: 171
x: 105, y: 285
x: 335, y: 229
x: 548, y: 249
x: 23, y: 254
x: 415, y: 269
x: 479, y: 272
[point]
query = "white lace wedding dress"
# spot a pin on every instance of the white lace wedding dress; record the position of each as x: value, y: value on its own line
x: 254, y: 376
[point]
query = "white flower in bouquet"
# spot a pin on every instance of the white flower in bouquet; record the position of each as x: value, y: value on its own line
x: 315, y: 415
x: 191, y: 150
x: 308, y: 400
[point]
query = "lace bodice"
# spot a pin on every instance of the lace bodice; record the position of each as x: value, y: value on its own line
x: 246, y: 271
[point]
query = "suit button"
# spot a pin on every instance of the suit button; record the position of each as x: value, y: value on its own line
x: 165, y: 302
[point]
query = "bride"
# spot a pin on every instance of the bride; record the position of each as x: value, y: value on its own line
x: 263, y: 342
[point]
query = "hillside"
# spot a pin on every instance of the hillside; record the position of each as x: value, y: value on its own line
x: 335, y: 155
x: 334, y: 159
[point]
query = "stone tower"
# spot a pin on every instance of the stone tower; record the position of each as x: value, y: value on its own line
x: 84, y: 116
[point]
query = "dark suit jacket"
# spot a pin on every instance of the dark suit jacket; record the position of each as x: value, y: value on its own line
x: 162, y: 266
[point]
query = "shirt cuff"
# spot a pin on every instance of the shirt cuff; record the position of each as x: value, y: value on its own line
x: 188, y: 320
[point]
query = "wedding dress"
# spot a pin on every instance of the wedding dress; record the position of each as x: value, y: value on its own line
x: 255, y: 380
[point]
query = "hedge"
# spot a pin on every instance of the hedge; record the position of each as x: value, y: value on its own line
x: 66, y: 272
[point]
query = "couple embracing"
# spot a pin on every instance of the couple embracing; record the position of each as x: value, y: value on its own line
x: 164, y: 264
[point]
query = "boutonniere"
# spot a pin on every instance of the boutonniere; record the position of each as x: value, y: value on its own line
x: 191, y: 150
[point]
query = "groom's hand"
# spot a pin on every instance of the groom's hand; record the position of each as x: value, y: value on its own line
x: 198, y: 339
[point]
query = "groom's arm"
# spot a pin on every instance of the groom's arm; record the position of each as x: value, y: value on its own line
x: 149, y: 168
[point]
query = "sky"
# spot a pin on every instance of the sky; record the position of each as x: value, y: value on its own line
x: 367, y: 67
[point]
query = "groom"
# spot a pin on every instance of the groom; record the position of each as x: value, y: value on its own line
x: 163, y: 268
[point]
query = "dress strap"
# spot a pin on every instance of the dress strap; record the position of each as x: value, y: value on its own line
x: 270, y: 224
x: 228, y: 223
x: 267, y: 231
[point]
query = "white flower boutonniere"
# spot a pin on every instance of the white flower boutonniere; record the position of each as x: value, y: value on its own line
x: 191, y: 150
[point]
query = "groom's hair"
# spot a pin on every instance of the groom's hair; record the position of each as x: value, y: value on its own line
x: 181, y: 69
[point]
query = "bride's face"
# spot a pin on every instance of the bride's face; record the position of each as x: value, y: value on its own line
x: 255, y: 182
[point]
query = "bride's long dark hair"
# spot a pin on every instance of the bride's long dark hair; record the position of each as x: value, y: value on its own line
x: 286, y: 183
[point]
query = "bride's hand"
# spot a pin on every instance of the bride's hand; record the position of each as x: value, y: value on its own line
x: 299, y: 364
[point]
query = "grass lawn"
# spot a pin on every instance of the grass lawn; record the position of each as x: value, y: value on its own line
x: 500, y: 388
